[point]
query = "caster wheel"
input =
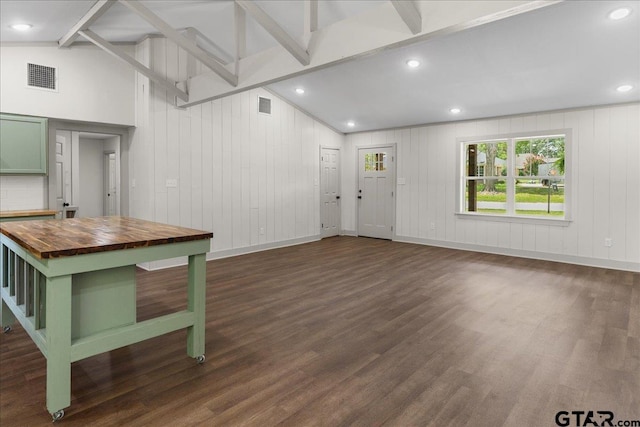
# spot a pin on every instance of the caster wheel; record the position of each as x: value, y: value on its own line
x: 200, y: 359
x: 57, y: 416
x: 6, y: 329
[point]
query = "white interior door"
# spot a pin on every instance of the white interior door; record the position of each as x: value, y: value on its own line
x: 330, y: 192
x: 63, y: 172
x: 376, y: 188
x: 110, y: 187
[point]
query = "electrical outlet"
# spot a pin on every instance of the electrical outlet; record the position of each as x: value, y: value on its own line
x: 172, y: 183
x: 133, y: 183
x: 432, y: 226
x: 261, y: 231
x: 608, y: 242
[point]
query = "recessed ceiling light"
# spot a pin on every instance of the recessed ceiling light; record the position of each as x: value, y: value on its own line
x: 413, y: 63
x: 624, y: 88
x: 621, y: 13
x: 351, y: 124
x: 299, y: 91
x: 21, y: 27
x: 455, y: 110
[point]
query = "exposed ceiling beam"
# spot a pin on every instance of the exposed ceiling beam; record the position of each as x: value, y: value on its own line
x: 221, y: 55
x: 96, y: 11
x: 276, y: 31
x: 409, y: 13
x: 189, y: 45
x: 310, y: 20
x: 191, y: 61
x: 240, y: 29
x: 374, y: 31
x: 119, y: 53
x: 311, y: 15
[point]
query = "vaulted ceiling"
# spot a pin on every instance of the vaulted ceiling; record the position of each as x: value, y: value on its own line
x: 350, y: 57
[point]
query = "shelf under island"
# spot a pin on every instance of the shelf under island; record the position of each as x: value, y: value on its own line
x: 71, y: 284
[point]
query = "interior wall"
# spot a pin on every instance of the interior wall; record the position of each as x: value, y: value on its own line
x: 91, y: 173
x: 22, y: 192
x: 92, y: 85
x: 604, y: 203
x: 252, y: 179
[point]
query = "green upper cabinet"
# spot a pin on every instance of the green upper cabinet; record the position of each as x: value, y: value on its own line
x: 23, y: 145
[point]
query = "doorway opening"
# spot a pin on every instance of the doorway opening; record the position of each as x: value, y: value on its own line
x: 88, y: 174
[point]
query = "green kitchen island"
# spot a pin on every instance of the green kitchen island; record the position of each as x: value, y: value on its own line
x: 71, y: 284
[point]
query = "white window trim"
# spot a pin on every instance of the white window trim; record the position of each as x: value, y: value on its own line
x: 462, y: 178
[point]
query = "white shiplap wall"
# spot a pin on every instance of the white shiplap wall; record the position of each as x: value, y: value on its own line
x: 250, y: 178
x: 605, y: 190
x: 22, y: 192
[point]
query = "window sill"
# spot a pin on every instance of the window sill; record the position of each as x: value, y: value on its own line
x: 515, y: 219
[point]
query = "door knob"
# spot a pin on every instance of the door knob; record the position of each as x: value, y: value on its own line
x: 64, y: 205
x: 359, y: 197
x: 337, y: 197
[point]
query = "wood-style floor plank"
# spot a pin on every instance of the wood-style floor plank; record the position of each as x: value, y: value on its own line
x: 363, y: 332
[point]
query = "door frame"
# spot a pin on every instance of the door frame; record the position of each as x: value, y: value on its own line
x: 68, y: 125
x: 339, y: 150
x: 394, y: 147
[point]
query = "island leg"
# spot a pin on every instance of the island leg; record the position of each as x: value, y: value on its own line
x: 6, y: 317
x: 196, y: 303
x: 58, y: 312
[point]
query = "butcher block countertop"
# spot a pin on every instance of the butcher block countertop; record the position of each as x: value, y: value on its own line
x: 26, y: 214
x: 52, y: 239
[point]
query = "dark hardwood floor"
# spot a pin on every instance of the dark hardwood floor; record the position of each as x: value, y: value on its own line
x: 355, y: 331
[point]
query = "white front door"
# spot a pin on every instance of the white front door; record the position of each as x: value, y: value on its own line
x: 63, y: 172
x: 330, y: 192
x: 376, y: 192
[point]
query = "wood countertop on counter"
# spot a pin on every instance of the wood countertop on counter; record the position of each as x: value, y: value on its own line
x: 26, y: 213
x: 52, y: 239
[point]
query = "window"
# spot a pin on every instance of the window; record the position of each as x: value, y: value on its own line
x: 375, y: 162
x: 522, y: 176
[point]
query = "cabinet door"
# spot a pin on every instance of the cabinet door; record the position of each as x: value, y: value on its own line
x: 23, y: 145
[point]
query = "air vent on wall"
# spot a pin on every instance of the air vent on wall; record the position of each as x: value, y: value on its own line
x: 41, y: 76
x: 264, y: 105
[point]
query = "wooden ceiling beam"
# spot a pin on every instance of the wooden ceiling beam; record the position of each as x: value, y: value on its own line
x: 189, y: 45
x: 409, y: 13
x: 119, y: 53
x: 96, y: 11
x: 276, y: 31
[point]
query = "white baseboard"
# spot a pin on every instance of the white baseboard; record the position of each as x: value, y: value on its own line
x: 175, y: 262
x: 568, y: 259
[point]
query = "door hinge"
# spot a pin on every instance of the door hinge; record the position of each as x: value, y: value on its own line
x: 322, y: 225
x: 392, y: 228
x: 392, y: 194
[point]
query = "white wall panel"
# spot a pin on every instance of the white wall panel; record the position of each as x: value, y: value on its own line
x: 584, y: 166
x: 22, y: 192
x: 620, y: 128
x: 601, y: 182
x: 632, y: 232
x: 92, y: 85
x: 250, y: 178
x: 604, y: 200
